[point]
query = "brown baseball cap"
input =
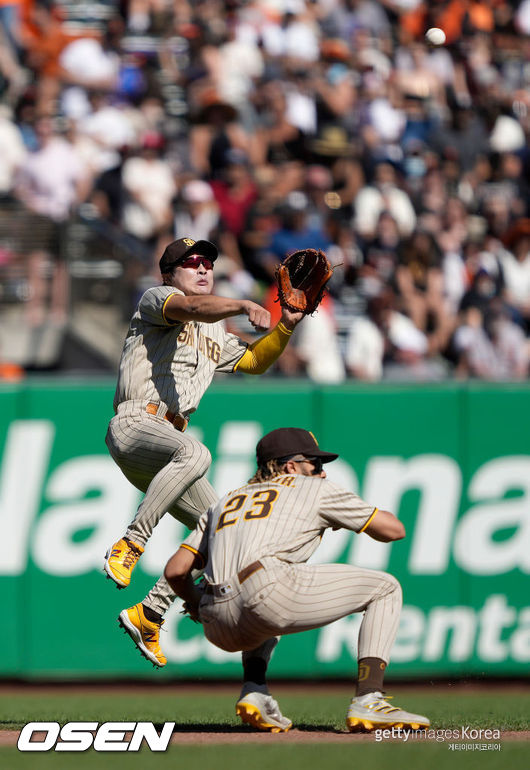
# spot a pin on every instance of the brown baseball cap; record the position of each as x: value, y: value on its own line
x: 179, y: 250
x: 287, y: 442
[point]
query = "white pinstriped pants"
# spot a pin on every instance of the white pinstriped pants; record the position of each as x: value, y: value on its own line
x: 287, y: 598
x: 169, y: 467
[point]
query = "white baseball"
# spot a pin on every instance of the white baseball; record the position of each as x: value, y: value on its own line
x: 435, y: 36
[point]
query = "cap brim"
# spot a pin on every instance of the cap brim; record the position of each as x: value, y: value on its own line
x: 326, y: 457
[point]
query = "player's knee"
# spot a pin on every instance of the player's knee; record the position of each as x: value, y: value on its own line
x: 394, y: 587
x: 195, y: 456
x: 203, y: 459
x: 390, y: 586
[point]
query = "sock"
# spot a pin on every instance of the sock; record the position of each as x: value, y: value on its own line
x: 151, y: 615
x: 254, y: 670
x: 371, y: 675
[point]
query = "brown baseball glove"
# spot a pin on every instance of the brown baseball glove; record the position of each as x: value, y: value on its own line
x: 302, y: 278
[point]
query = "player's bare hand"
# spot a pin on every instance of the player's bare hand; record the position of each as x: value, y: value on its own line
x: 290, y: 319
x: 191, y: 610
x: 257, y: 315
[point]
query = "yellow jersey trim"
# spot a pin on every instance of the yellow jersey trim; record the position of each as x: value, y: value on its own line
x: 369, y: 520
x: 169, y: 321
x: 193, y: 550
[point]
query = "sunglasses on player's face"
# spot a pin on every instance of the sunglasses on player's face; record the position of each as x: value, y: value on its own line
x: 195, y: 261
x: 316, y: 462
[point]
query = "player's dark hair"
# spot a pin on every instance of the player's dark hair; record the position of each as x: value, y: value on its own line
x: 268, y: 471
x: 171, y: 273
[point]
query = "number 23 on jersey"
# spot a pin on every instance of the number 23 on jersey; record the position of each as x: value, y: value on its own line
x: 256, y: 506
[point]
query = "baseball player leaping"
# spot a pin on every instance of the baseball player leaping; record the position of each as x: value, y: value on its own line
x: 174, y: 346
x: 253, y: 545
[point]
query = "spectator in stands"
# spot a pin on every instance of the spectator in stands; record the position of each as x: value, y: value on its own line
x: 461, y: 264
x: 215, y: 131
x: 108, y: 128
x: 490, y: 347
x: 419, y: 279
x: 108, y: 194
x: 235, y: 191
x: 197, y: 213
x: 12, y: 152
x: 381, y: 256
x: 420, y: 76
x: 92, y: 63
x: 150, y: 186
x: 387, y: 342
x: 383, y: 195
x: 515, y: 261
x: 141, y: 14
x: 10, y: 24
x: 317, y: 346
x: 463, y: 138
x: 233, y: 67
x: 12, y: 76
x: 51, y: 182
x: 509, y: 342
x: 44, y: 36
x: 366, y: 343
x: 294, y: 232
x: 484, y: 287
x: 279, y: 138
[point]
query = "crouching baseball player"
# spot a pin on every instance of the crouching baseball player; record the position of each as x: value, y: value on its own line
x: 253, y: 545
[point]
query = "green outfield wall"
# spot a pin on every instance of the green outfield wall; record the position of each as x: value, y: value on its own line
x: 452, y: 461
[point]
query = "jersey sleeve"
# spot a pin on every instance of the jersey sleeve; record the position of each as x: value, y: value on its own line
x: 339, y: 508
x: 232, y: 352
x: 197, y: 541
x: 152, y: 305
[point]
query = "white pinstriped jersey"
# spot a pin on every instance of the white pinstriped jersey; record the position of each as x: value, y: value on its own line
x: 172, y: 362
x: 284, y: 517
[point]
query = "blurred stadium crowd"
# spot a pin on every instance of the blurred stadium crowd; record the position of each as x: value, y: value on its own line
x: 268, y: 126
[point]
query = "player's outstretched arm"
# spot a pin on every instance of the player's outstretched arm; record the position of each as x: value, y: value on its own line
x: 209, y: 308
x: 290, y: 318
x: 385, y: 527
x: 264, y: 352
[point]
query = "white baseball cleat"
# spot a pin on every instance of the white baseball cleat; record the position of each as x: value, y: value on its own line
x: 258, y: 708
x: 371, y: 711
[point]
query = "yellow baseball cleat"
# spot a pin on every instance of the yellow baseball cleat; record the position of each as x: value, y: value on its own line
x: 257, y: 708
x: 120, y: 561
x: 144, y: 633
x: 370, y: 712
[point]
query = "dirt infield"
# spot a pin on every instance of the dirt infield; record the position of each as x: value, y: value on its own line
x: 186, y: 734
